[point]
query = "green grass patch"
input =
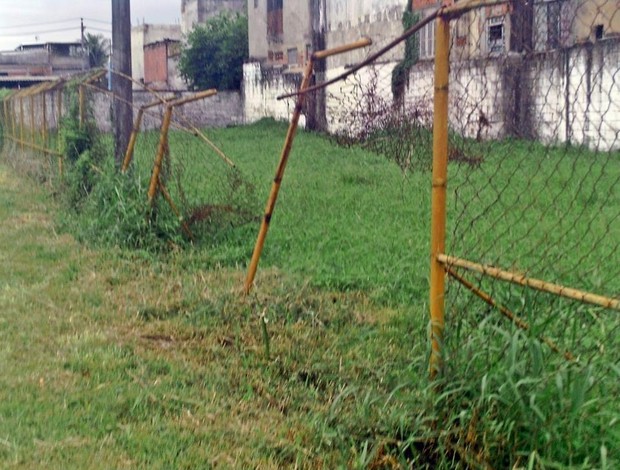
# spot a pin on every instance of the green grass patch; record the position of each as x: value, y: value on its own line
x: 140, y: 358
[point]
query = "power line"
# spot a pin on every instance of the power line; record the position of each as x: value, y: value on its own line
x: 98, y: 21
x: 33, y: 33
x: 102, y: 30
x: 31, y: 25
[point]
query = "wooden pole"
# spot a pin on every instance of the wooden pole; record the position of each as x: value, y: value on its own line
x: 58, y: 119
x: 439, y: 184
x: 121, y: 86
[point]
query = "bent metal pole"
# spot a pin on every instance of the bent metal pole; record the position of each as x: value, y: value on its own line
x: 286, y: 150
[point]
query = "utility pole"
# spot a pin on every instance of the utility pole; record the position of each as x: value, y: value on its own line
x: 86, y: 61
x: 121, y: 73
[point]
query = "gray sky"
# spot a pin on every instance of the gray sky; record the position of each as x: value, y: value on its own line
x: 31, y: 21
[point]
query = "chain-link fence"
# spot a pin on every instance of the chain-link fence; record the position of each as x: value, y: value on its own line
x: 518, y: 106
x: 61, y: 132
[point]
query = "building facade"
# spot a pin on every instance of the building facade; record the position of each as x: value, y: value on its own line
x: 144, y: 35
x: 195, y: 12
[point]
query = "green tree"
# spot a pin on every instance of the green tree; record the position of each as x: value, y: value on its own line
x: 214, y: 53
x: 97, y: 47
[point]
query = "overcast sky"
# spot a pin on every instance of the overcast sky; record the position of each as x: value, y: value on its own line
x: 32, y: 21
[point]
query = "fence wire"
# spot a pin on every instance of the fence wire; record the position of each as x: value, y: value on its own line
x: 533, y: 194
x: 47, y: 129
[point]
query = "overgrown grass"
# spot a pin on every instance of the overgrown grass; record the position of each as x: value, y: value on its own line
x: 116, y: 358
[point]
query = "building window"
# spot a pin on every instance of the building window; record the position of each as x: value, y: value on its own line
x: 291, y: 56
x: 496, y: 34
x: 275, y: 18
x: 598, y: 32
x: 427, y: 41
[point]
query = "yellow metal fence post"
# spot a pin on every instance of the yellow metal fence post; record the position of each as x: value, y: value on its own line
x: 58, y: 139
x: 277, y: 181
x: 163, y: 141
x: 21, y: 123
x: 286, y: 150
x: 439, y: 184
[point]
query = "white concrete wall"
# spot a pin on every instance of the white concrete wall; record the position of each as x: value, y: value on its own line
x: 567, y: 95
x: 351, y: 102
x: 261, y: 89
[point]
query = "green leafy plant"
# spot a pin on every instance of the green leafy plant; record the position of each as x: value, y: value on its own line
x: 213, y: 55
x: 98, y: 49
x: 400, y: 74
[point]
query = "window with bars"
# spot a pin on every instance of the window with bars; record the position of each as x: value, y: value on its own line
x: 427, y: 41
x: 496, y: 37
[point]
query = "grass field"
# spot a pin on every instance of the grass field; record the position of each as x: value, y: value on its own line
x: 116, y: 358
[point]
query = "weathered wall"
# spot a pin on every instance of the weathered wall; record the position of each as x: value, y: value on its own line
x: 194, y: 12
x: 143, y: 35
x: 350, y: 20
x: 564, y: 95
x: 287, y: 49
x: 261, y: 87
x: 221, y: 110
x: 361, y: 93
x: 567, y: 95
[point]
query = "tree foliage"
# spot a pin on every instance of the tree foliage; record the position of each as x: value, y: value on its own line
x: 213, y: 54
x: 97, y: 47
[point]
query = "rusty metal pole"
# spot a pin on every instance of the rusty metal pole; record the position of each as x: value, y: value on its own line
x: 32, y: 133
x: 439, y: 184
x: 82, y: 105
x: 286, y: 150
x: 277, y: 181
x: 21, y: 123
x: 58, y: 119
x: 44, y: 117
x: 132, y: 140
x: 161, y: 150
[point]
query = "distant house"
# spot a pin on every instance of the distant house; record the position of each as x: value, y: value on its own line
x: 283, y: 33
x: 39, y: 62
x: 161, y: 61
x: 142, y: 37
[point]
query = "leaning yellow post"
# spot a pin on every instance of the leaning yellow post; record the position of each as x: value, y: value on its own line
x: 439, y: 182
x: 277, y: 181
x: 286, y: 150
x: 132, y: 140
x: 163, y: 140
x: 21, y: 123
x: 82, y: 104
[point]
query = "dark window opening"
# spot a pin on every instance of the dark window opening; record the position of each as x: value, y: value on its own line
x: 496, y: 32
x: 598, y: 32
x: 275, y: 18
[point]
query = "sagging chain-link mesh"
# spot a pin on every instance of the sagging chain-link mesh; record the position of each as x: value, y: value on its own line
x: 48, y: 127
